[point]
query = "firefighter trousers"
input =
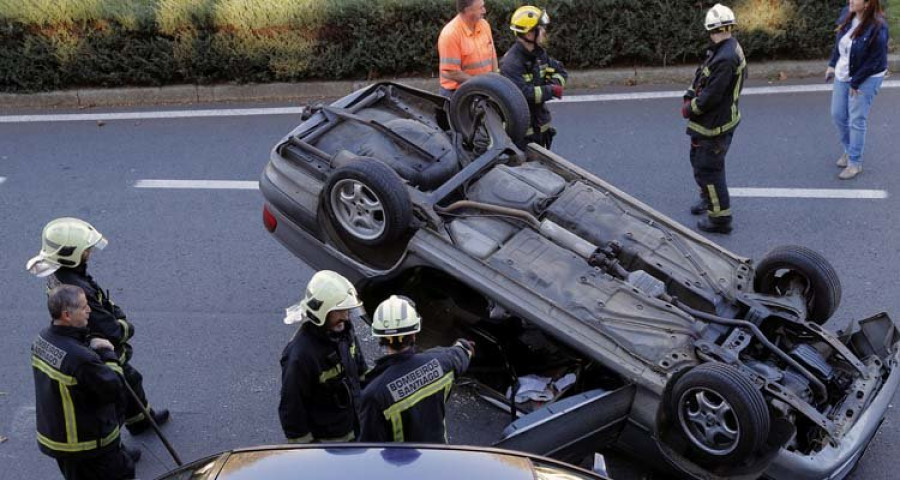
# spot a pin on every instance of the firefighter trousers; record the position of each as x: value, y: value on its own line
x: 708, y: 162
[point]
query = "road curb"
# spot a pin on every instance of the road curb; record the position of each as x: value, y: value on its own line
x: 774, y: 71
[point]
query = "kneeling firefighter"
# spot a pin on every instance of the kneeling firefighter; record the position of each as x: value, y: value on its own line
x: 539, y: 77
x: 405, y: 397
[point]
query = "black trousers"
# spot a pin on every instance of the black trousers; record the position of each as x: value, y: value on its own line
x: 112, y: 465
x: 544, y: 139
x: 708, y: 161
x: 133, y: 412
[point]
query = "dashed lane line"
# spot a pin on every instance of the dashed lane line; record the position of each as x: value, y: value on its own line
x: 618, y: 97
x: 74, y: 117
x: 822, y: 193
x: 198, y: 184
x: 809, y: 193
x: 239, y: 112
x: 2, y: 179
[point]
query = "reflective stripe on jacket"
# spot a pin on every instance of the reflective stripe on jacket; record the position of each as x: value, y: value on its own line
x: 716, y: 90
x: 405, y: 397
x: 77, y: 396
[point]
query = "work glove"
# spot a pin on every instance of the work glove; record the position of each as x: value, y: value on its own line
x: 98, y: 343
x: 686, y: 108
x: 467, y: 345
x: 557, y: 90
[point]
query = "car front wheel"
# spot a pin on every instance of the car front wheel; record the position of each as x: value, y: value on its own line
x: 720, y: 413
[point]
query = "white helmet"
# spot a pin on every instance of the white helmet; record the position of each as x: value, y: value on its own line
x: 719, y: 16
x: 396, y: 317
x: 326, y: 292
x: 63, y: 244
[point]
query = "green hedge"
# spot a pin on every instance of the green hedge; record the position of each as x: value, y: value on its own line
x: 53, y: 44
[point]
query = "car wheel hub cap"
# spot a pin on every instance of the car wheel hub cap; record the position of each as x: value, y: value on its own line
x: 358, y: 209
x: 709, y: 421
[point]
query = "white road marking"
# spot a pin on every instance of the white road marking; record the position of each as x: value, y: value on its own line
x: 73, y: 117
x: 240, y: 112
x: 2, y: 179
x: 734, y: 192
x: 615, y: 97
x: 199, y: 184
x: 808, y: 193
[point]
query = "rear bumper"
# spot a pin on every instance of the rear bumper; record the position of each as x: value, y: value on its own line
x: 835, y: 463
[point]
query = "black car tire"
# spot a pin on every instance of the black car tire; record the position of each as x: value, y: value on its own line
x: 367, y: 203
x: 714, y: 402
x: 502, y: 93
x: 823, y: 292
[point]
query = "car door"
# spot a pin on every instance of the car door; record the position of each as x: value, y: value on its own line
x: 571, y: 428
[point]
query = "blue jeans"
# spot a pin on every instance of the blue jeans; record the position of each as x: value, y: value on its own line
x: 850, y: 115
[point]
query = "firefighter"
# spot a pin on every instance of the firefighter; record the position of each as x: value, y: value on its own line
x: 322, y: 366
x: 539, y: 77
x: 711, y: 107
x: 78, y: 394
x: 67, y: 244
x: 405, y: 395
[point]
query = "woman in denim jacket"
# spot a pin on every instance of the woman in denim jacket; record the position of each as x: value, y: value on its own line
x: 858, y: 65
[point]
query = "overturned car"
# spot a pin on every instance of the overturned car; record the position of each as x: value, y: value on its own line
x: 678, y: 350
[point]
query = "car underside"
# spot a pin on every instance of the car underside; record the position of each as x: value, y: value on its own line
x: 671, y: 346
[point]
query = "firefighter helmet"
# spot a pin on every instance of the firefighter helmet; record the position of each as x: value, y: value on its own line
x: 326, y: 292
x: 719, y: 16
x: 63, y: 243
x: 396, y: 317
x: 526, y: 18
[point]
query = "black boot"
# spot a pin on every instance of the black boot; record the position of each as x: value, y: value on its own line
x: 715, y: 224
x: 701, y: 207
x: 159, y: 416
x: 133, y: 452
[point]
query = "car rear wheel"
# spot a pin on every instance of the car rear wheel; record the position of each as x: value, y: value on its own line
x: 720, y: 413
x: 822, y: 291
x: 367, y: 203
x: 495, y: 91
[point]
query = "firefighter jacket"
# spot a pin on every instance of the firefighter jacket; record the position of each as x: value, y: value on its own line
x: 107, y: 320
x: 320, y: 385
x: 405, y: 396
x: 534, y: 73
x: 716, y: 90
x: 78, y: 394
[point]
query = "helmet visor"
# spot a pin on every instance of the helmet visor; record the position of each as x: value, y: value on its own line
x: 101, y: 244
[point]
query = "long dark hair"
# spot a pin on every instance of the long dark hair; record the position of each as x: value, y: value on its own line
x: 871, y: 15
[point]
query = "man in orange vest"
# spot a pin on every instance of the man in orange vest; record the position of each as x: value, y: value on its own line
x: 466, y: 46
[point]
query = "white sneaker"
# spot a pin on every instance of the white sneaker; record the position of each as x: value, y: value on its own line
x: 850, y: 172
x: 842, y: 162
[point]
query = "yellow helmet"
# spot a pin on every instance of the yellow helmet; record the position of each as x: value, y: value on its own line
x: 524, y: 19
x: 396, y: 317
x: 63, y: 243
x: 326, y: 292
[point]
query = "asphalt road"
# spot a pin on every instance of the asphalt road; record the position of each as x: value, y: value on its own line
x: 206, y: 286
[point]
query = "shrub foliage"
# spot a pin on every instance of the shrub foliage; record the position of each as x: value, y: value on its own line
x: 53, y: 44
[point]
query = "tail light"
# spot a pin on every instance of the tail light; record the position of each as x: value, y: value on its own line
x: 269, y: 220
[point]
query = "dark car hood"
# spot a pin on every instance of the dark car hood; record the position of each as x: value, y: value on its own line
x: 374, y: 463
